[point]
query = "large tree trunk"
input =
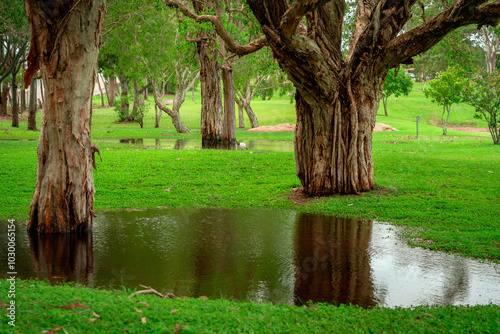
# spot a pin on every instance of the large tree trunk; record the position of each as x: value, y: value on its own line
x: 211, y: 96
x: 32, y: 106
x: 211, y: 93
x: 66, y: 49
x: 229, y: 125
x: 333, y: 138
x: 22, y: 100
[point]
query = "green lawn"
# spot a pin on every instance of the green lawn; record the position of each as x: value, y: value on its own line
x: 445, y: 190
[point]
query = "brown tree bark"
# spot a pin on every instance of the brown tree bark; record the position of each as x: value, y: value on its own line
x: 211, y: 95
x: 229, y: 124
x: 112, y: 91
x: 15, y: 103
x: 32, y: 106
x: 241, y: 120
x: 5, y: 93
x: 211, y: 92
x: 337, y: 98
x: 125, y: 106
x: 65, y: 49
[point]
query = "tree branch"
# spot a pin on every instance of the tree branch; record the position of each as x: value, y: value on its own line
x: 216, y: 21
x: 293, y: 16
x: 420, y: 39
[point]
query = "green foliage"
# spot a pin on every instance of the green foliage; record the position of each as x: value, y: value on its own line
x: 482, y: 91
x: 447, y: 89
x: 397, y: 83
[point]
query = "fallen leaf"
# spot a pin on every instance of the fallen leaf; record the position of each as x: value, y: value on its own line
x: 3, y: 304
x: 71, y: 306
x: 96, y: 315
x: 78, y: 298
x: 144, y: 320
x: 174, y: 311
x: 203, y: 297
x: 490, y: 171
x: 140, y: 311
x: 178, y: 328
x: 232, y: 309
x: 143, y: 303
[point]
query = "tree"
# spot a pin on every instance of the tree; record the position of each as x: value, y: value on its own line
x: 482, y: 91
x: 337, y: 97
x: 397, y: 83
x: 65, y: 50
x: 491, y: 45
x: 446, y: 90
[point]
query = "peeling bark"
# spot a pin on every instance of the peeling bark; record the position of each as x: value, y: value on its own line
x: 66, y: 49
x: 229, y: 125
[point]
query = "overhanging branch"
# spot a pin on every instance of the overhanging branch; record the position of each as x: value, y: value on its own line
x: 216, y: 21
x: 422, y: 38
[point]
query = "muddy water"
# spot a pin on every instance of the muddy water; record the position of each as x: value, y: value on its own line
x: 255, y: 255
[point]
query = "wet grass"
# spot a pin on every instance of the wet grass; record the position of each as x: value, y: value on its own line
x: 103, y: 311
x: 445, y: 190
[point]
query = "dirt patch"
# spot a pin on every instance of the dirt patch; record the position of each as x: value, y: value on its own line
x: 283, y: 127
x: 379, y: 127
x: 290, y: 127
x: 467, y: 129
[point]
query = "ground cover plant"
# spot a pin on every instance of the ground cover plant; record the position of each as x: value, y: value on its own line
x: 444, y: 189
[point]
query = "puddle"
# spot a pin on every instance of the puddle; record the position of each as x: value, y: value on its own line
x: 274, y: 256
x: 184, y: 144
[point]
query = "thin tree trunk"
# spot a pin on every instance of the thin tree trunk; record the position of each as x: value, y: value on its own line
x: 5, y: 94
x: 64, y: 194
x: 23, y: 100
x: 157, y: 117
x: 32, y: 106
x: 112, y: 91
x: 192, y: 95
x: 100, y: 89
x: 125, y: 107
x: 106, y: 88
x: 384, y: 100
x: 229, y: 125
x: 174, y: 114
x: 241, y: 121
x: 15, y: 105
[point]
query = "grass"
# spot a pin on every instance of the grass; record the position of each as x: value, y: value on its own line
x: 104, y: 311
x: 445, y: 190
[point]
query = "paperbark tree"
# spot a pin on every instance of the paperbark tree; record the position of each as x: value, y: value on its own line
x: 65, y: 43
x: 337, y: 98
x: 491, y: 46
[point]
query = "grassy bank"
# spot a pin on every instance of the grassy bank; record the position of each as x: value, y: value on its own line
x: 85, y: 310
x: 444, y: 189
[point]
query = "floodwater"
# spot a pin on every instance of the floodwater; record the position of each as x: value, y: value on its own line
x: 274, y: 256
x: 185, y: 144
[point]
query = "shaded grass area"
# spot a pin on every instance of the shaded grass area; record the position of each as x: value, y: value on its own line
x: 115, y: 311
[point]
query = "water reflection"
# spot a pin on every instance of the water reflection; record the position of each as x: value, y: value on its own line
x: 63, y: 257
x: 255, y: 255
x: 184, y: 144
x: 332, y: 260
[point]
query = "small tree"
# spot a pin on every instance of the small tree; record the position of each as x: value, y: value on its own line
x: 446, y: 90
x: 482, y: 92
x: 397, y: 83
